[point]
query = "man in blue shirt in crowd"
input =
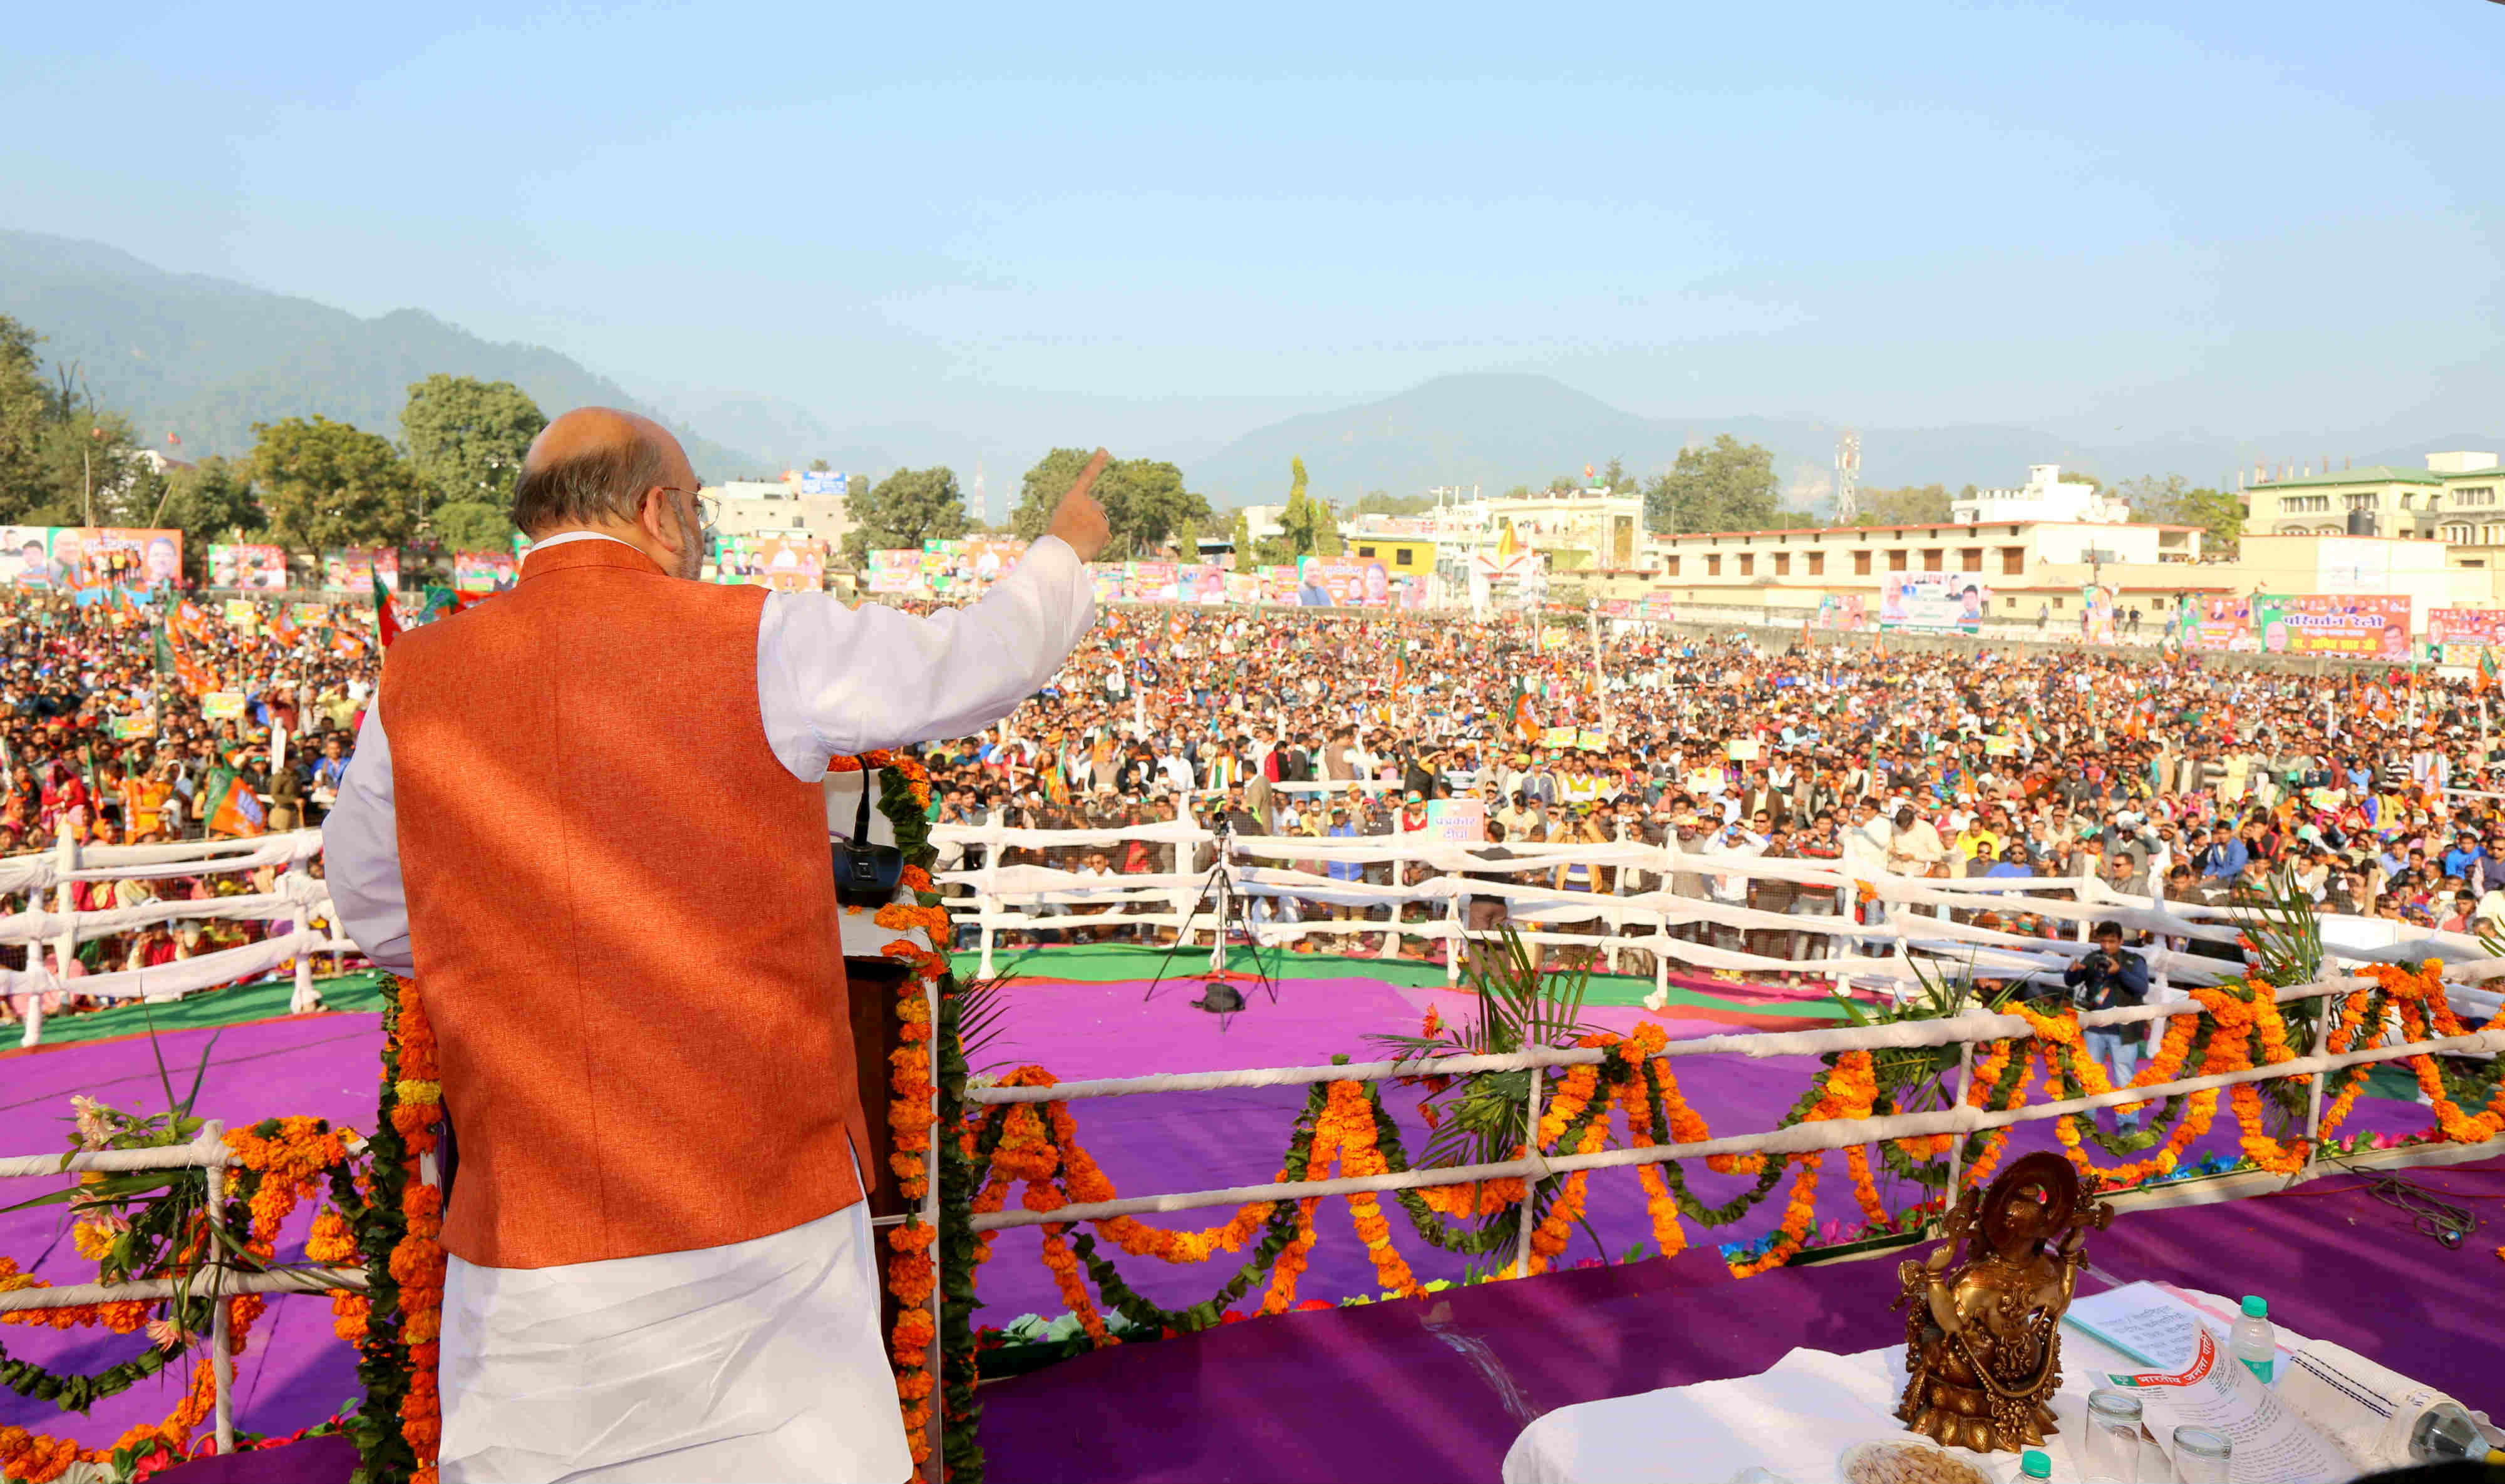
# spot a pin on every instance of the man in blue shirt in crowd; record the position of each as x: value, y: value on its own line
x: 2224, y: 857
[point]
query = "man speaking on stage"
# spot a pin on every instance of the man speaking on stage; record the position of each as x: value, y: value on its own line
x: 586, y: 815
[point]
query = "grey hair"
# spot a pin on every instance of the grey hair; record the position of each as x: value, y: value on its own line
x: 604, y: 481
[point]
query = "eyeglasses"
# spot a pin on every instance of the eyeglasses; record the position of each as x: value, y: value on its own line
x: 708, y: 509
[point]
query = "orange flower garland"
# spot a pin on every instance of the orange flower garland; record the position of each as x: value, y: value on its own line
x: 416, y: 1261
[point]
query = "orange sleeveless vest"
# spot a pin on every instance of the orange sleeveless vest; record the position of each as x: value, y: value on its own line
x: 621, y: 912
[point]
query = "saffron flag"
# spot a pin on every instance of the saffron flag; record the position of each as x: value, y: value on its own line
x: 188, y: 622
x: 2486, y: 670
x: 284, y: 626
x: 385, y: 621
x: 1400, y: 663
x: 235, y: 810
x: 1525, y: 718
x: 1506, y: 544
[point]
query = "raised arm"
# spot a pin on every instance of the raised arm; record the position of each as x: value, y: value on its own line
x: 833, y: 680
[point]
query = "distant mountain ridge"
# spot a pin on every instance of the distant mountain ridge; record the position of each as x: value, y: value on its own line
x: 206, y: 358
x: 1498, y: 430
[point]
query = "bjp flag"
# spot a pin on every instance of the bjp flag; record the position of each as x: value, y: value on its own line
x: 237, y: 810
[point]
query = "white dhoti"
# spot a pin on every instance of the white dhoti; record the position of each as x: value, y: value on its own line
x: 760, y: 1361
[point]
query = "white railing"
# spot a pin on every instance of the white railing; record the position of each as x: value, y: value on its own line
x: 214, y: 1278
x: 295, y: 895
x: 1918, y: 923
x: 1964, y: 1030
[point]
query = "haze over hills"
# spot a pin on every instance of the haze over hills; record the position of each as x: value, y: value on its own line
x: 206, y: 358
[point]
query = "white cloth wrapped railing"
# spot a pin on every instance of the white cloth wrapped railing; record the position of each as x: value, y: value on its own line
x: 296, y: 900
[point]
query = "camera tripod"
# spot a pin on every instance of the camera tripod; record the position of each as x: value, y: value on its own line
x: 1219, y: 898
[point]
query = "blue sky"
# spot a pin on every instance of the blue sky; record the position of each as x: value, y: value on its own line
x: 1176, y: 221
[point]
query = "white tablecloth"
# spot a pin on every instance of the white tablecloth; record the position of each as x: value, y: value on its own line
x: 1794, y: 1421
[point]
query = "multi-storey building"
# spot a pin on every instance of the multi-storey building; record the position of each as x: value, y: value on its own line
x: 2456, y: 500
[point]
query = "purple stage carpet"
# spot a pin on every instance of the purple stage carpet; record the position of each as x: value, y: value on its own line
x: 296, y: 1372
x: 1438, y: 1388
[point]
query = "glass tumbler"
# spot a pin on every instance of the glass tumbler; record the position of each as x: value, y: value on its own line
x: 2112, y: 1444
x: 2201, y: 1455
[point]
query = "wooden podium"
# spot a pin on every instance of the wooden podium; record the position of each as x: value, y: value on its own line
x: 876, y: 1033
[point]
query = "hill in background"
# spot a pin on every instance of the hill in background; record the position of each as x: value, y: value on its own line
x: 206, y: 358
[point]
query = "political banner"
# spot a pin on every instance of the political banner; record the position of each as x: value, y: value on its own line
x: 2000, y: 747
x: 1457, y: 820
x: 1558, y: 736
x: 1149, y: 582
x: 2334, y: 624
x: 1743, y: 750
x: 309, y: 612
x: 902, y: 559
x: 1657, y: 606
x: 255, y: 568
x: 2097, y: 611
x: 2220, y: 625
x: 1242, y: 587
x: 240, y: 614
x: 1590, y: 740
x: 1339, y: 582
x: 1617, y: 607
x: 355, y: 570
x: 1279, y: 585
x: 132, y: 727
x: 222, y: 705
x: 1841, y: 612
x: 484, y: 571
x: 822, y: 481
x: 1934, y: 601
x: 986, y: 559
x: 1200, y: 583
x: 2456, y: 636
x: 890, y: 581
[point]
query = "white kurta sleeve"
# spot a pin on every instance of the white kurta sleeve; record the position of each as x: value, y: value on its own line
x: 361, y: 853
x: 833, y: 680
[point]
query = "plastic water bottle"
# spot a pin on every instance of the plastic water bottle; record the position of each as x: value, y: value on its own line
x: 2034, y: 1466
x: 2254, y: 1341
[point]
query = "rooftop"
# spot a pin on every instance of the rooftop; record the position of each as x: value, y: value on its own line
x: 1918, y: 525
x: 2373, y: 474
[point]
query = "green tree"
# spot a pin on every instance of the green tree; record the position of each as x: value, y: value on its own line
x: 326, y: 483
x: 2080, y: 476
x: 1379, y: 503
x: 212, y: 505
x: 1309, y: 527
x: 1145, y: 504
x: 1041, y: 491
x: 1905, y: 505
x: 1616, y: 480
x: 821, y: 466
x: 27, y: 414
x: 473, y: 525
x: 1728, y: 486
x: 2173, y: 500
x: 466, y: 438
x: 1239, y: 535
x: 904, y: 510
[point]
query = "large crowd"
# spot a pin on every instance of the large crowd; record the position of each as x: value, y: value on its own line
x: 106, y: 735
x: 2165, y: 775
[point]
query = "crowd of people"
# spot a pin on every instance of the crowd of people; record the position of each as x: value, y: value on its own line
x: 2165, y: 775
x: 130, y: 723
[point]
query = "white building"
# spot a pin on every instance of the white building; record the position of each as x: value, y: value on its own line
x: 2044, y: 497
x: 753, y: 507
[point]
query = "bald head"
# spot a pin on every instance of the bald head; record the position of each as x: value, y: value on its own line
x: 594, y: 469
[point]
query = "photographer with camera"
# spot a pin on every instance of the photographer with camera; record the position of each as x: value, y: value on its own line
x: 2111, y: 978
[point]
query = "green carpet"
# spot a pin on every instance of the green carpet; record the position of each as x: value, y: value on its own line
x: 1103, y: 963
x: 218, y: 1006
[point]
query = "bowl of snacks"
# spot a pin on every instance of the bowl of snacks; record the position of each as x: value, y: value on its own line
x: 1906, y: 1460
